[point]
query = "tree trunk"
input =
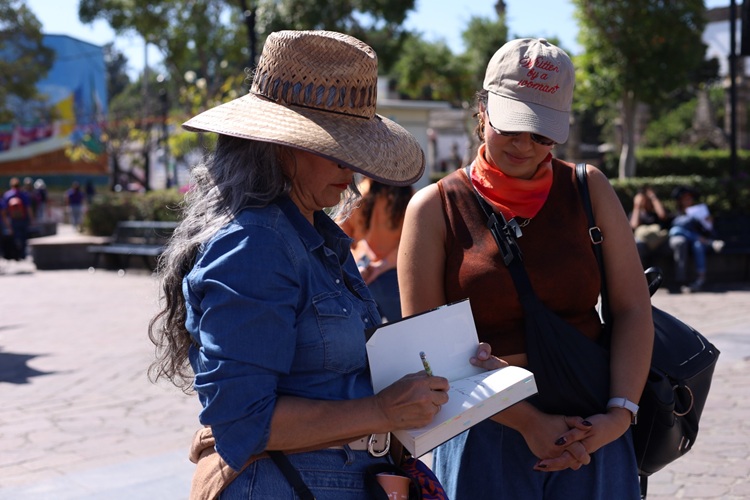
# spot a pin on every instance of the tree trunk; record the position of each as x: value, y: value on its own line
x: 627, y: 154
x: 252, y: 39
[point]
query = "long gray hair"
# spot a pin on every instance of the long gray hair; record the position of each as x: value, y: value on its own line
x: 240, y: 173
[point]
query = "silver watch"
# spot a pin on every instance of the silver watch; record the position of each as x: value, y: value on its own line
x: 628, y: 405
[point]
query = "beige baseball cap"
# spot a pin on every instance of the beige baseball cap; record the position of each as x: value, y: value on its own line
x: 530, y: 88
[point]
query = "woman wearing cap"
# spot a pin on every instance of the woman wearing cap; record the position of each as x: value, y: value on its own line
x: 447, y: 253
x: 264, y: 310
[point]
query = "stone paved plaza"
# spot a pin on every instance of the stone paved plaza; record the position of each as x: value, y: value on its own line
x: 80, y: 420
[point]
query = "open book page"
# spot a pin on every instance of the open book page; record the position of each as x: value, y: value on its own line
x: 448, y: 337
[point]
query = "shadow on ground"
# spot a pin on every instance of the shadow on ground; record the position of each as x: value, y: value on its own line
x: 14, y: 368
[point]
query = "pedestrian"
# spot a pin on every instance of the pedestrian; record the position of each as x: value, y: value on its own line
x: 40, y: 188
x: 90, y: 192
x: 74, y: 203
x: 18, y: 217
x: 447, y: 254
x: 264, y: 310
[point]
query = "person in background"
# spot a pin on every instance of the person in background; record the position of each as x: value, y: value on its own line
x: 691, y: 233
x: 264, y: 310
x: 40, y: 188
x: 74, y: 202
x: 19, y: 215
x: 375, y: 228
x: 447, y: 254
x: 650, y: 223
x: 28, y: 187
x: 90, y: 192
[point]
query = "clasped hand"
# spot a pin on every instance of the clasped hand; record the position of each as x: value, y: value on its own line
x: 561, y: 442
x: 570, y: 441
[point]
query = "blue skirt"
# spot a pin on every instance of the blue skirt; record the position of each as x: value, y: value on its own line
x: 491, y: 461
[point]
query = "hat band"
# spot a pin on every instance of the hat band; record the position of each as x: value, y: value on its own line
x: 352, y: 101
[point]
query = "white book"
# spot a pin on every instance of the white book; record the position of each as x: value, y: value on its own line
x: 702, y: 214
x: 448, y: 337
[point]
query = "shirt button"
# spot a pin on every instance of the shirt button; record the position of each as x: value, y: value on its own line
x: 345, y: 309
x: 367, y: 320
x: 338, y: 281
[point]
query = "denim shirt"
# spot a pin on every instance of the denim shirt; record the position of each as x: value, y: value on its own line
x: 276, y: 307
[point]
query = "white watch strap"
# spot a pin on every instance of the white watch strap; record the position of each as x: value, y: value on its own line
x: 624, y: 403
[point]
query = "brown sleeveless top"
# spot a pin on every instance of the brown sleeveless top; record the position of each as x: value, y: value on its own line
x: 557, y: 255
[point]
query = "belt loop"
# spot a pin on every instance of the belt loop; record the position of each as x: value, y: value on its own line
x: 349, y: 454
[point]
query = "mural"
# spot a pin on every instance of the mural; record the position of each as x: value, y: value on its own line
x: 73, y: 104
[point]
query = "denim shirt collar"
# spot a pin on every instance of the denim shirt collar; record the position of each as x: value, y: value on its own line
x: 325, y: 232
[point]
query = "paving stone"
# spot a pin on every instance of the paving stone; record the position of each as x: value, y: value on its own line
x: 82, y: 421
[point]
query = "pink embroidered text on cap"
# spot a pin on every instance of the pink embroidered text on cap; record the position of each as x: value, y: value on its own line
x: 530, y: 88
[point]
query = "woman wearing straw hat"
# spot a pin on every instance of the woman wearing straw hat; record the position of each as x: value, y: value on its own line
x: 447, y: 253
x: 264, y: 310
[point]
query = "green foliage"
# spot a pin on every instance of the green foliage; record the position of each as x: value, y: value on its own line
x: 673, y: 124
x: 375, y: 22
x: 117, y: 75
x: 482, y: 38
x: 657, y: 162
x: 201, y: 42
x: 109, y: 208
x: 671, y: 127
x: 636, y: 51
x: 724, y: 195
x: 428, y: 70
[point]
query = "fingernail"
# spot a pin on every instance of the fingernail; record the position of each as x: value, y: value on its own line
x: 541, y: 466
x: 586, y: 423
x: 560, y: 441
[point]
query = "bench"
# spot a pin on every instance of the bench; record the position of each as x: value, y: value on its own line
x: 732, y: 264
x: 734, y: 230
x: 141, y: 238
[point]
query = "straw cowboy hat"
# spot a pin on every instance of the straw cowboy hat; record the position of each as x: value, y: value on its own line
x: 316, y: 91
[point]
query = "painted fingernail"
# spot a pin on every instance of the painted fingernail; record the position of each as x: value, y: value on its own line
x: 541, y: 466
x: 586, y: 423
x: 560, y: 441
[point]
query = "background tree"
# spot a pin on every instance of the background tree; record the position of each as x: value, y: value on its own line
x: 25, y: 60
x: 116, y: 64
x: 378, y: 23
x: 636, y: 51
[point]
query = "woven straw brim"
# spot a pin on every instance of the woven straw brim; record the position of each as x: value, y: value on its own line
x: 511, y: 115
x: 378, y: 147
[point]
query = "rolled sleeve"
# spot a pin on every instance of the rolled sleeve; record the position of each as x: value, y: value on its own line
x: 242, y: 296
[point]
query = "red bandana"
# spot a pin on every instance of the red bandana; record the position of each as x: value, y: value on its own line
x: 510, y: 195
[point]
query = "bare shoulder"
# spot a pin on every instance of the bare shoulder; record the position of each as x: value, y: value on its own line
x: 426, y: 199
x: 600, y: 189
x: 424, y: 215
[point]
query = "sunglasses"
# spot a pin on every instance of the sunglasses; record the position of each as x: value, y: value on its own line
x: 539, y: 139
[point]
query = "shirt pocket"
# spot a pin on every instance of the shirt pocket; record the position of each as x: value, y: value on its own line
x: 342, y: 332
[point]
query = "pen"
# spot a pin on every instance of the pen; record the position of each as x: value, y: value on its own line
x: 425, y: 363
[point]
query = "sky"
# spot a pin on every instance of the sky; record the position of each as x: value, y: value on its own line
x: 435, y: 19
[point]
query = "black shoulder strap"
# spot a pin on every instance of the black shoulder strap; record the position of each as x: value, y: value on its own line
x: 596, y: 237
x: 505, y: 235
x: 291, y: 474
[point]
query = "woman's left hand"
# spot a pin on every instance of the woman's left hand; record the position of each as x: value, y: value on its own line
x: 604, y: 428
x: 485, y: 359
